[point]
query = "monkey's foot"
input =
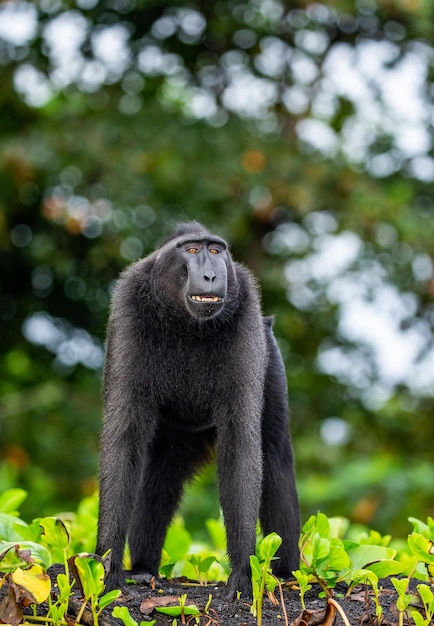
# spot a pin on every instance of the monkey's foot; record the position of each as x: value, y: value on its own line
x: 239, y: 585
x: 116, y: 580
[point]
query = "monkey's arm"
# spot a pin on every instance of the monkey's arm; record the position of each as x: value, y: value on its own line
x: 127, y: 427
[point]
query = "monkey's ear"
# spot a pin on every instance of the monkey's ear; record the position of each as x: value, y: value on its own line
x: 269, y: 321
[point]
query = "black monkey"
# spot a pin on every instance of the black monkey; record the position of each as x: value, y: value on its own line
x: 191, y: 364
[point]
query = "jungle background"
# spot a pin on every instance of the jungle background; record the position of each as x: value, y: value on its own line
x: 303, y: 133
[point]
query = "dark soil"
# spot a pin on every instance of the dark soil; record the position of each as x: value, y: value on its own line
x: 358, y: 606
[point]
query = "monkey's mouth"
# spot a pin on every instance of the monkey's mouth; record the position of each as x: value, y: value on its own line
x: 206, y: 298
x: 205, y: 306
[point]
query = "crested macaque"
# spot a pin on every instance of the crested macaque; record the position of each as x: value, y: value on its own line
x: 192, y: 366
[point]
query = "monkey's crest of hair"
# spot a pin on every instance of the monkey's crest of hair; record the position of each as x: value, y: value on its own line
x: 186, y: 228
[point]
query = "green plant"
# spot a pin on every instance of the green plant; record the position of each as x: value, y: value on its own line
x: 427, y: 597
x: 207, y: 605
x: 180, y: 610
x: 201, y: 566
x: 261, y: 572
x: 10, y: 501
x: 421, y: 544
x: 51, y: 544
x: 331, y: 551
x: 424, y: 528
x: 328, y: 560
x: 90, y: 573
x: 29, y: 585
x: 167, y: 570
x: 401, y: 586
x: 56, y: 538
x: 322, y: 558
x: 57, y: 610
x: 27, y: 550
x: 18, y: 539
x: 14, y: 554
x: 122, y: 613
x: 304, y: 586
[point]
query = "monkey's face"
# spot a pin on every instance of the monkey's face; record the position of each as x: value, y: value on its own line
x: 205, y: 263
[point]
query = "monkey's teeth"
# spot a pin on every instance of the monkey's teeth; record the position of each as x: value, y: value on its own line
x: 206, y: 298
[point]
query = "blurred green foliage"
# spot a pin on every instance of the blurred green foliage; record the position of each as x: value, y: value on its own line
x: 119, y: 118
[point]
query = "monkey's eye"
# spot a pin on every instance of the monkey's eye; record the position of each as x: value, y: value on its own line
x: 192, y: 249
x: 214, y: 250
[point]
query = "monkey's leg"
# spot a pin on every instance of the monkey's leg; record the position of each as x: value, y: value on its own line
x: 240, y: 469
x: 174, y: 456
x: 279, y: 510
x: 118, y: 469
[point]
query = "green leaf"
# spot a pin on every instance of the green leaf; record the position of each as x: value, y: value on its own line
x: 404, y: 599
x: 270, y: 582
x: 320, y: 548
x: 375, y: 538
x: 122, y: 613
x: 10, y: 527
x: 30, y: 532
x: 108, y: 598
x: 349, y: 545
x: 338, y: 526
x: 322, y: 525
x: 367, y: 554
x: 64, y: 585
x: 418, y: 619
x: 205, y: 564
x: 421, y: 547
x: 54, y: 533
x: 317, y: 523
x: 269, y: 546
x: 309, y: 525
x: 167, y: 570
x: 386, y: 568
x: 91, y: 574
x: 11, y: 499
x: 419, y: 526
x: 302, y: 579
x: 400, y: 584
x: 255, y: 567
x: 39, y: 553
x: 176, y: 611
x: 337, y: 559
x: 359, y: 576
x: 426, y: 594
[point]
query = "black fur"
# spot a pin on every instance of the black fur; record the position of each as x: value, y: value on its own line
x: 183, y: 375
